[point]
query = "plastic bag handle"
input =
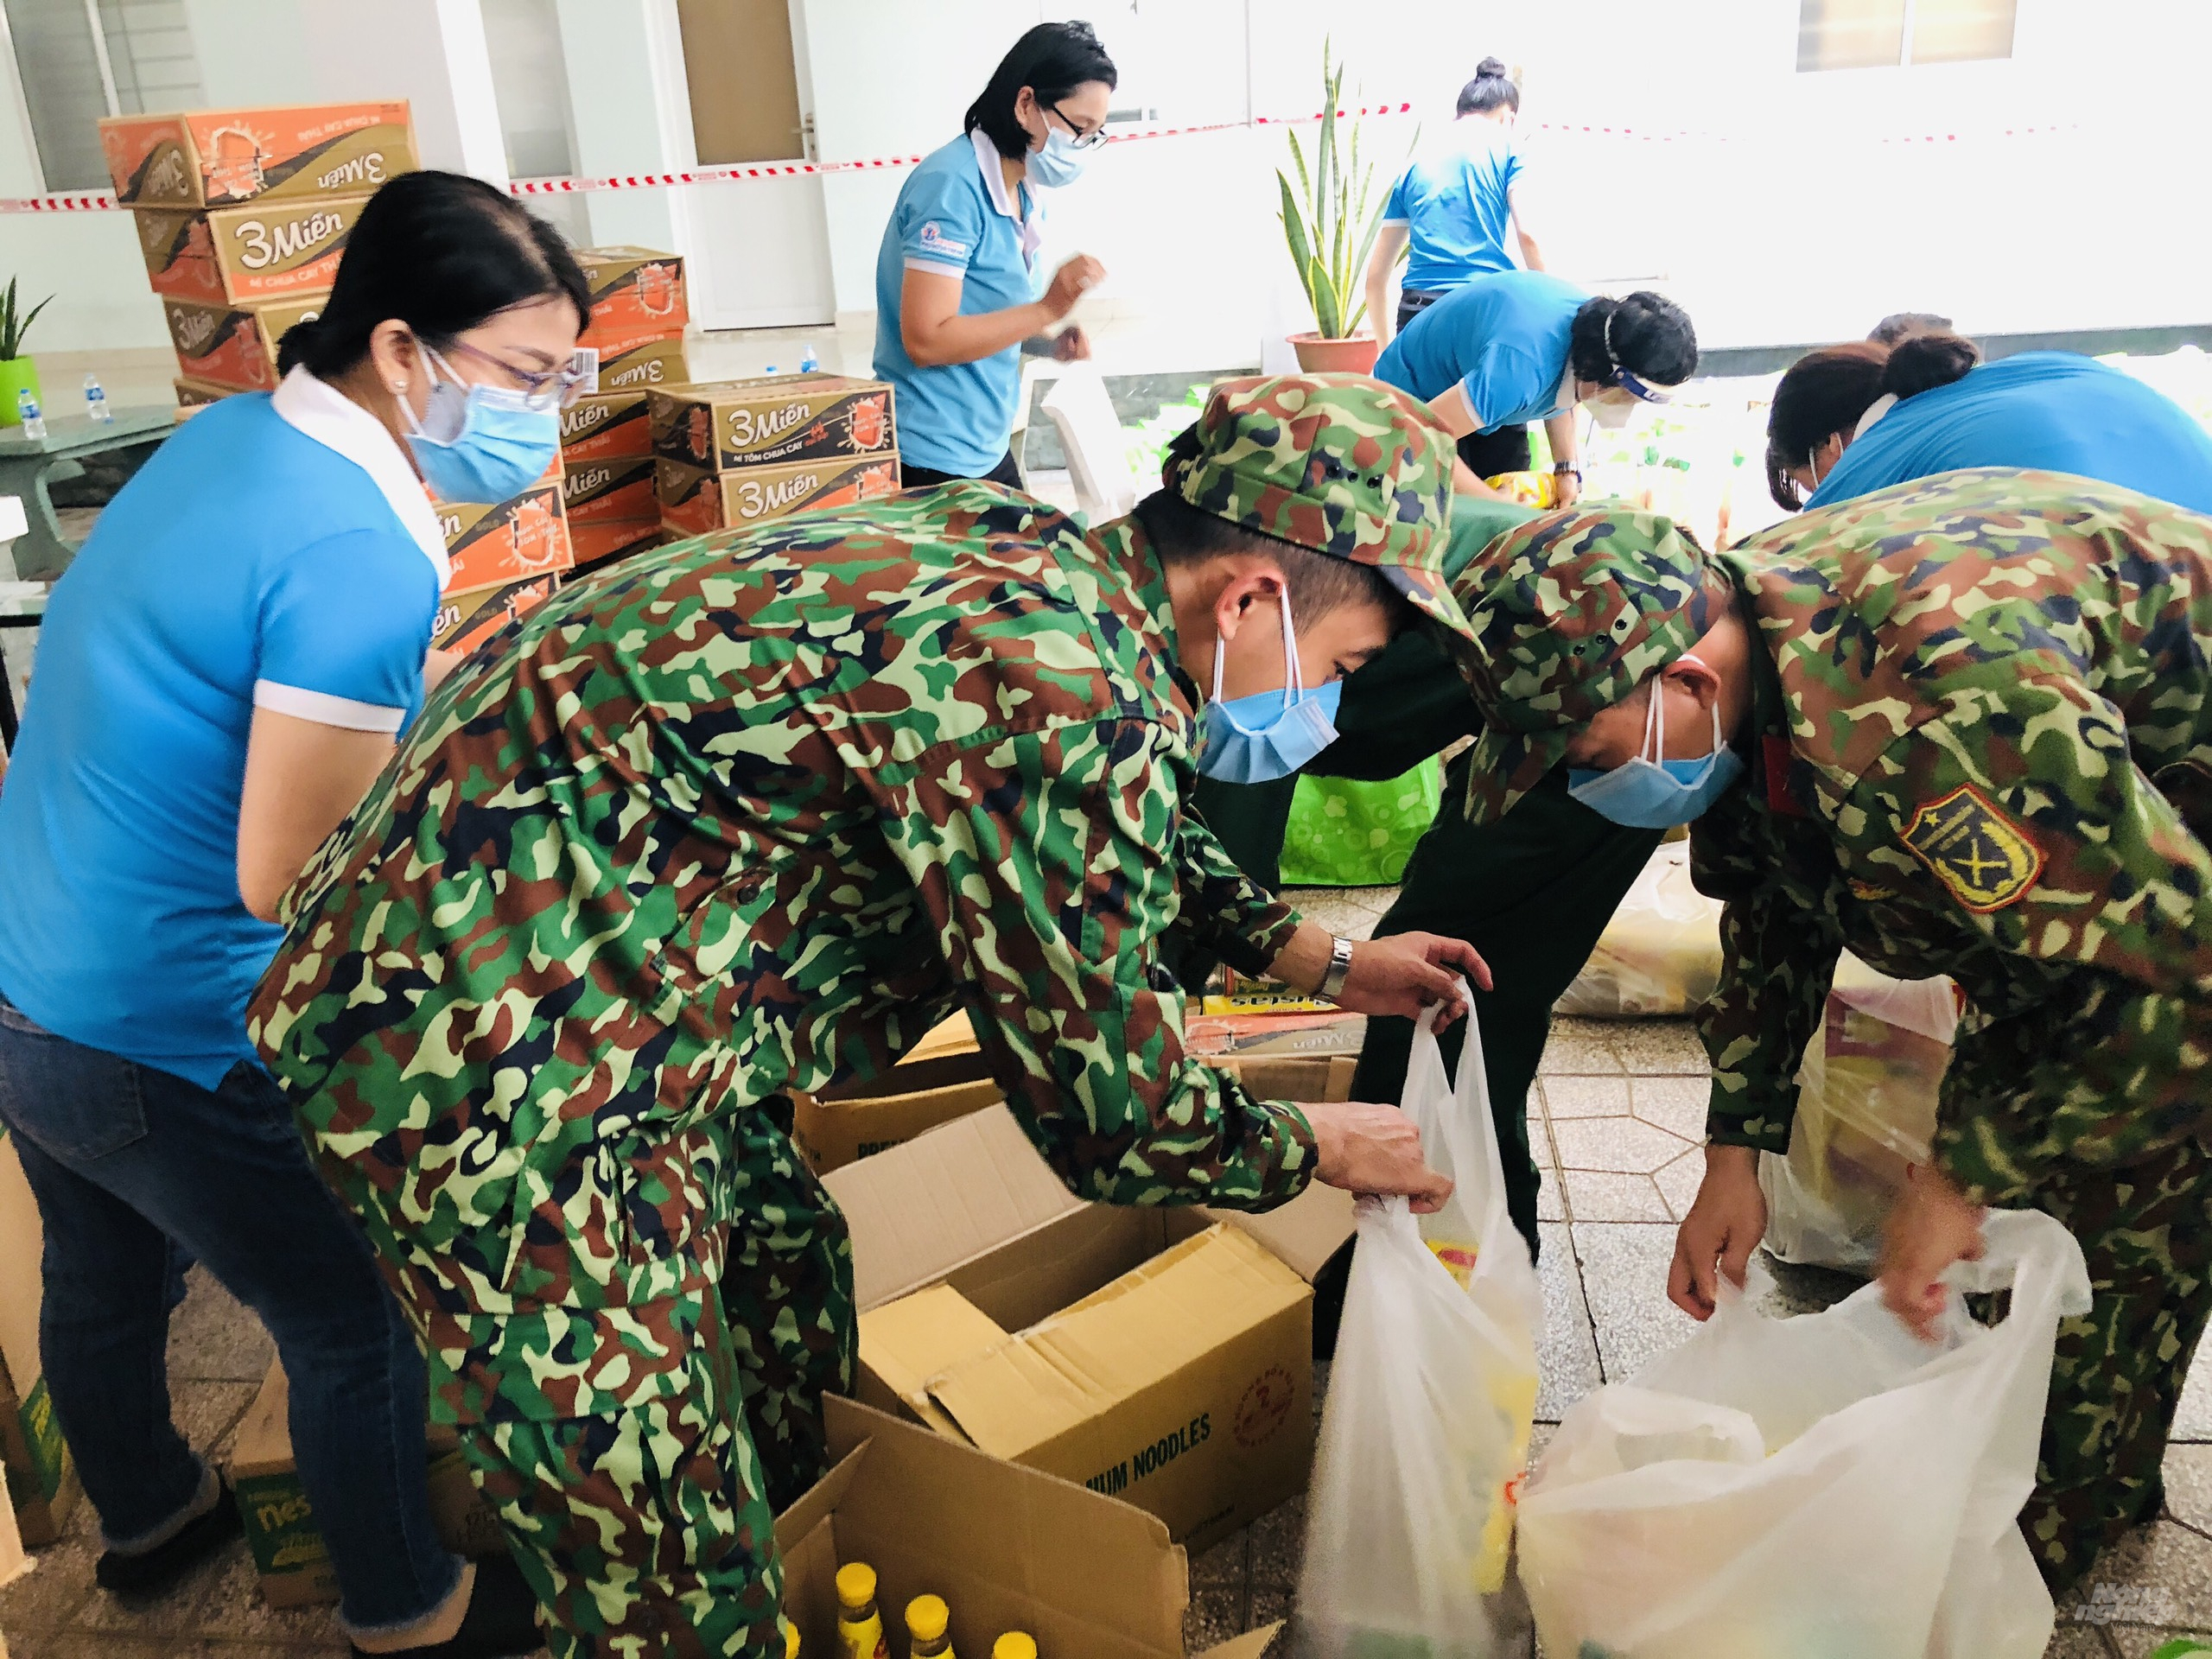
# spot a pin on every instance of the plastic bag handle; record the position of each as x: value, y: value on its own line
x: 1466, y: 1136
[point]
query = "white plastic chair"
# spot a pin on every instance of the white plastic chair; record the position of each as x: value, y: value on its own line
x: 1090, y: 432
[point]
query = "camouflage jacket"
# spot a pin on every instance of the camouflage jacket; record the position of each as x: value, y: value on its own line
x: 1982, y: 730
x: 743, y: 818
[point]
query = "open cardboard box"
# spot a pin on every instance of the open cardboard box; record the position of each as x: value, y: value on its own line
x: 1163, y: 1356
x: 1007, y: 1548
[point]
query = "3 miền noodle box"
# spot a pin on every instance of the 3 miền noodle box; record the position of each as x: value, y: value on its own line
x: 1007, y: 1548
x: 644, y: 363
x: 695, y: 503
x: 467, y: 620
x: 274, y: 250
x: 606, y: 426
x: 1160, y: 1356
x: 519, y: 539
x: 633, y: 290
x: 213, y: 158
x: 234, y: 345
x: 774, y: 421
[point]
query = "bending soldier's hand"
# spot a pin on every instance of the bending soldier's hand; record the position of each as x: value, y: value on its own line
x: 1721, y: 1230
x: 1406, y: 972
x: 1374, y: 1151
x: 1931, y: 1226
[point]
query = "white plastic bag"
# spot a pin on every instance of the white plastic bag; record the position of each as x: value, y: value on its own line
x: 1817, y: 1486
x: 1426, y: 1436
x: 1661, y: 952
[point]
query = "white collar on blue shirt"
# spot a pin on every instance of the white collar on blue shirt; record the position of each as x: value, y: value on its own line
x: 323, y: 412
x: 1881, y: 406
x: 986, y: 159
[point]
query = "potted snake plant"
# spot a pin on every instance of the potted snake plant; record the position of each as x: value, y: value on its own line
x: 1330, y: 228
x: 16, y: 371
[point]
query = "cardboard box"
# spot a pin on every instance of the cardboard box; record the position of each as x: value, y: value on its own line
x: 267, y: 251
x: 1161, y: 1355
x: 605, y: 541
x: 693, y: 503
x: 515, y: 540
x: 655, y: 360
x: 632, y: 290
x: 772, y: 422
x: 467, y: 620
x: 213, y: 157
x: 288, y: 1549
x: 193, y: 396
x: 234, y: 346
x: 1009, y: 1548
x: 41, y: 1480
x: 606, y: 426
x: 609, y: 491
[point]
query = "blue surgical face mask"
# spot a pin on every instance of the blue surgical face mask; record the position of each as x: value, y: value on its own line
x: 1650, y: 793
x: 1059, y: 162
x: 1270, y: 734
x: 479, y: 444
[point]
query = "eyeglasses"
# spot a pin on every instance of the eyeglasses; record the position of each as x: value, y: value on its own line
x: 1090, y: 140
x: 1642, y: 389
x: 546, y: 388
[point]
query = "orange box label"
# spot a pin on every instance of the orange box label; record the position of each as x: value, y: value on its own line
x: 269, y: 251
x: 508, y: 542
x: 695, y: 502
x: 635, y: 293
x: 213, y: 158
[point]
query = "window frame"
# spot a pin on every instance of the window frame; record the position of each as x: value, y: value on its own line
x: 1908, y: 21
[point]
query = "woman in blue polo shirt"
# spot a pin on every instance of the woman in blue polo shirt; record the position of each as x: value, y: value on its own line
x: 1849, y: 420
x: 956, y: 283
x: 221, y: 674
x: 1522, y: 345
x: 1449, y: 209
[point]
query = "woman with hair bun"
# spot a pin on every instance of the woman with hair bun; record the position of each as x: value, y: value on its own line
x: 224, y: 670
x: 1522, y: 345
x: 1849, y: 420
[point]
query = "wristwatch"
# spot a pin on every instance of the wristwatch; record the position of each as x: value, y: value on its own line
x: 1560, y: 468
x: 1332, y: 981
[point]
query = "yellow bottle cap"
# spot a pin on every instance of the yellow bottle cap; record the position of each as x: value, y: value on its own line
x: 1014, y: 1645
x: 855, y: 1584
x: 790, y: 1640
x: 926, y: 1617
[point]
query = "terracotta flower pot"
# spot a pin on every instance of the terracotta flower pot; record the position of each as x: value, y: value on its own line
x: 1353, y: 356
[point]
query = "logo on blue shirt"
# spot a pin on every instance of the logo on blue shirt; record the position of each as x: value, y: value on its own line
x: 936, y: 241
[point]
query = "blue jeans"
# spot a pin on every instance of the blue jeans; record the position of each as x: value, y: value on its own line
x: 128, y: 1164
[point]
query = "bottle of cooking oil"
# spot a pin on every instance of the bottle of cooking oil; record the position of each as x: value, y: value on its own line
x: 926, y: 1620
x: 860, y: 1626
x: 1014, y: 1644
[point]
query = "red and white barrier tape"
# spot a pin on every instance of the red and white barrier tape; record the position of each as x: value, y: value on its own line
x: 101, y: 201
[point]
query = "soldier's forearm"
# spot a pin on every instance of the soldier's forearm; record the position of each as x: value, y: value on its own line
x: 1301, y: 963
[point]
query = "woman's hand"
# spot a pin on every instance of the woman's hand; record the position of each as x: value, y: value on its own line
x: 1373, y: 1150
x: 1069, y: 283
x: 1723, y: 1228
x: 1071, y: 345
x: 1567, y: 489
x: 1932, y: 1225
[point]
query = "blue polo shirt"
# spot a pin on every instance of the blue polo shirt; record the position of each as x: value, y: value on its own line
x: 1504, y: 338
x: 2054, y: 411
x: 276, y: 552
x: 1457, y: 205
x: 955, y: 219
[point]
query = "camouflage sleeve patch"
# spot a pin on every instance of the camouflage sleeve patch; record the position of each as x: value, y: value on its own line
x: 1984, y: 859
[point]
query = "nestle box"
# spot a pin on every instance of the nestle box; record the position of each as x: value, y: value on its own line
x: 234, y: 346
x: 773, y: 421
x: 467, y: 620
x: 605, y: 492
x: 274, y: 250
x: 694, y: 502
x: 642, y: 364
x: 1009, y: 1548
x: 515, y: 540
x: 606, y: 426
x: 214, y: 158
x: 1161, y: 1355
x: 41, y: 1481
x: 605, y: 541
x: 280, y: 1527
x: 633, y: 290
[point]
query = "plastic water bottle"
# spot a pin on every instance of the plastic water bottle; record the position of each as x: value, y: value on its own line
x: 772, y: 369
x: 96, y: 402
x: 27, y: 411
x: 808, y: 362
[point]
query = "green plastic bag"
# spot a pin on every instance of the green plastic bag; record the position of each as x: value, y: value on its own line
x: 1343, y: 834
x: 2180, y: 1650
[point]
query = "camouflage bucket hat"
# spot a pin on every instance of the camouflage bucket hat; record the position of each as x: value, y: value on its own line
x: 1338, y: 463
x: 1573, y: 612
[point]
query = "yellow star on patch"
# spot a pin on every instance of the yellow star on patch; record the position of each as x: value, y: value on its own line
x: 1985, y: 859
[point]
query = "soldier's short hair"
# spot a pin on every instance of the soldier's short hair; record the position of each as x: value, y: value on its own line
x: 1319, y: 583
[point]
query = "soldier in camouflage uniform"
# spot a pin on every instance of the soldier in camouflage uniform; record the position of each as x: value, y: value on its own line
x: 1975, y: 719
x: 748, y: 816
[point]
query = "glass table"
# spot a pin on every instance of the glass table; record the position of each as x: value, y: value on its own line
x: 28, y: 465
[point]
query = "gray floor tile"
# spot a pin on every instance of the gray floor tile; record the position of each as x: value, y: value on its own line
x: 1567, y: 1351
x: 1678, y: 1181
x: 1279, y: 1547
x: 1593, y: 1195
x: 2193, y: 1417
x: 78, y: 1645
x: 1269, y: 1607
x: 222, y: 1598
x: 2135, y: 1642
x: 2161, y: 1575
x: 212, y: 1336
x: 1227, y: 1562
x: 1624, y: 1278
x: 2077, y: 1642
x: 55, y: 1591
x: 1655, y: 1047
x: 1215, y: 1613
x: 1550, y: 1206
x: 1579, y: 1048
x: 2189, y: 1486
x: 1578, y: 1096
x: 1675, y: 1104
x: 1625, y: 1145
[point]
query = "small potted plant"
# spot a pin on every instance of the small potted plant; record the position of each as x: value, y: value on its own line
x: 16, y: 371
x: 1330, y: 230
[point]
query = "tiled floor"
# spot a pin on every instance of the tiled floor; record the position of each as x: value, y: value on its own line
x: 1615, y: 1123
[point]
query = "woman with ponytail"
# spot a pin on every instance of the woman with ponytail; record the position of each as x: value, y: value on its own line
x: 223, y: 671
x: 1849, y: 420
